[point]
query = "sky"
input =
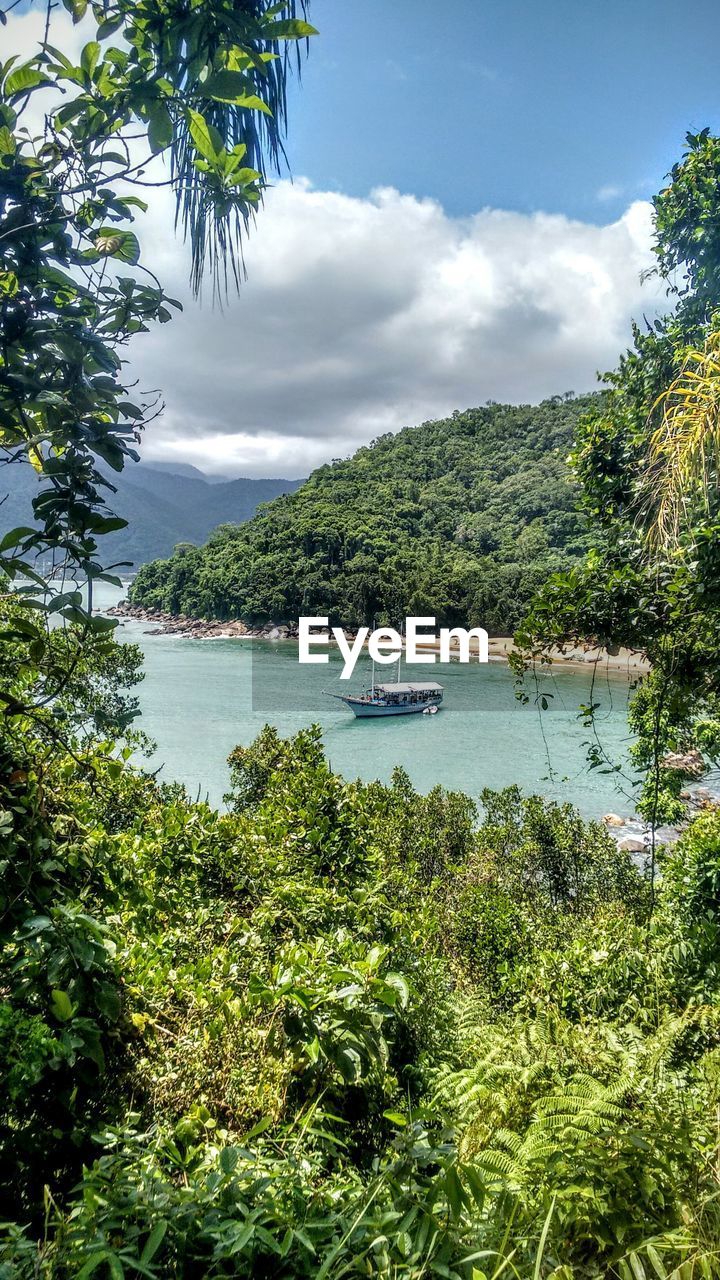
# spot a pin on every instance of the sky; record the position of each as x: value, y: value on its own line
x: 468, y: 219
x: 569, y: 106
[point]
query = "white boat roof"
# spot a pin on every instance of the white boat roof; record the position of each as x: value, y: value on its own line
x: 426, y: 686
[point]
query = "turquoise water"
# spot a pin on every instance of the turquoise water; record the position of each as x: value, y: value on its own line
x: 202, y: 697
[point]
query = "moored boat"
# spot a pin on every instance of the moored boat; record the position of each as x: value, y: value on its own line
x: 394, y: 699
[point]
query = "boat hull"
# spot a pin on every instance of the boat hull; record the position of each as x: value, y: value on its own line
x: 372, y: 710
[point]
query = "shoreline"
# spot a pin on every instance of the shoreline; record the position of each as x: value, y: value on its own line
x: 631, y: 833
x: 626, y: 662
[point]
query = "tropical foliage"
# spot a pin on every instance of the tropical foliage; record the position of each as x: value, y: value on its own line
x: 646, y: 464
x: 188, y: 97
x: 345, y: 1030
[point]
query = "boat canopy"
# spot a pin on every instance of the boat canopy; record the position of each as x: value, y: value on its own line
x: 428, y: 686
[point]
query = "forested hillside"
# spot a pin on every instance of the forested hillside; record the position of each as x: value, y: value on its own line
x: 162, y: 506
x: 340, y: 1029
x: 461, y: 518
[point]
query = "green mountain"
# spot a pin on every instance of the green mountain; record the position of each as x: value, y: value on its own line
x: 461, y: 519
x: 163, y: 506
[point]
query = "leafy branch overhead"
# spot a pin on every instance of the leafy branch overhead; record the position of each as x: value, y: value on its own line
x: 191, y: 97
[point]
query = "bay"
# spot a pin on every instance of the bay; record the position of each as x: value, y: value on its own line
x: 200, y: 698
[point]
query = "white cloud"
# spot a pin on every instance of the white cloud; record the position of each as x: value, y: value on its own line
x: 365, y: 315
x: 608, y: 192
x: 361, y: 316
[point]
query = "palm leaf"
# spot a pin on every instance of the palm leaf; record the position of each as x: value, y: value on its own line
x: 203, y: 48
x: 684, y: 453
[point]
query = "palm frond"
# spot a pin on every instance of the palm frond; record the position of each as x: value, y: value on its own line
x: 211, y: 39
x: 684, y: 453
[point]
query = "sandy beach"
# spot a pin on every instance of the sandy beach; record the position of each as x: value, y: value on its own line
x: 626, y: 661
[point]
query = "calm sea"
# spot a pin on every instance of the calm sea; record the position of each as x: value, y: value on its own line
x: 200, y: 698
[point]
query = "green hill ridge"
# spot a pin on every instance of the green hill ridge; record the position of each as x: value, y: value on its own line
x: 460, y: 519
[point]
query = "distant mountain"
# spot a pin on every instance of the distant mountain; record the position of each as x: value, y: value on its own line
x: 162, y: 507
x: 185, y: 469
x: 176, y: 469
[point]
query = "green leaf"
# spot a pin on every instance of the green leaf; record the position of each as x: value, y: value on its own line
x: 349, y: 1065
x: 160, y: 128
x: 229, y: 1157
x: 15, y: 536
x: 8, y: 283
x: 71, y: 613
x: 251, y: 102
x: 38, y: 924
x: 259, y: 1128
x: 153, y: 1242
x: 543, y: 1241
x: 396, y: 1118
x: 454, y: 1191
x: 21, y: 630
x: 130, y: 410
x: 205, y: 136
x: 124, y: 245
x: 62, y: 1005
x: 106, y: 524
x: 636, y: 1267
x: 232, y: 86
x: 399, y: 984
x: 90, y: 57
x: 78, y: 9
x: 64, y: 600
x: 129, y: 202
x: 226, y: 86
x: 23, y: 79
x: 290, y: 29
x: 656, y: 1260
x: 7, y: 142
x: 92, y: 1264
x: 110, y: 26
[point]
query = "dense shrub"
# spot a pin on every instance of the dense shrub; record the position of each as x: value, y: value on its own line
x: 348, y: 1029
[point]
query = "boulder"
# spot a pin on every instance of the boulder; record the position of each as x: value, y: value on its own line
x: 687, y: 762
x: 632, y: 844
x: 613, y: 820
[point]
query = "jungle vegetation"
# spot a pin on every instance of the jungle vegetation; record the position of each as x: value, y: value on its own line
x: 340, y: 1029
x: 647, y: 465
x: 346, y: 1030
x: 461, y: 519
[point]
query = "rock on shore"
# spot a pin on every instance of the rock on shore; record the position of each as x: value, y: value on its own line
x: 635, y: 836
x: 169, y: 624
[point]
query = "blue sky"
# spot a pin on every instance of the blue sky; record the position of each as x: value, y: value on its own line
x: 509, y: 103
x: 469, y: 220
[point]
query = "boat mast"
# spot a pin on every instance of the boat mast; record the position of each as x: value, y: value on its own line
x: 372, y: 686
